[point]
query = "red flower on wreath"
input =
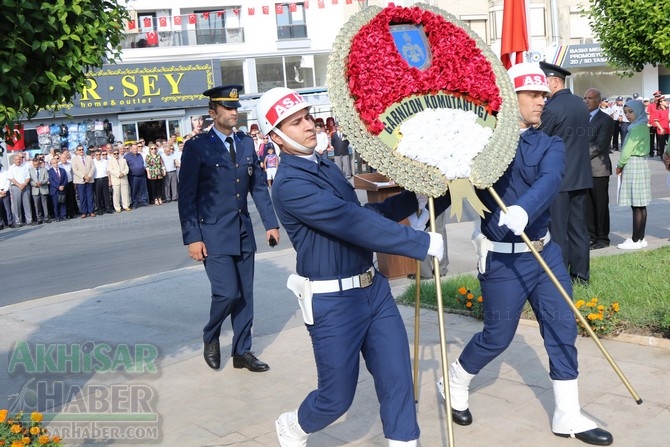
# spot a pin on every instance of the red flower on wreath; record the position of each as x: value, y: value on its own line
x: 458, y: 66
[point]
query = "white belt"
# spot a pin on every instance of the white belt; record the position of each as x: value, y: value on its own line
x: 519, y: 247
x: 336, y: 285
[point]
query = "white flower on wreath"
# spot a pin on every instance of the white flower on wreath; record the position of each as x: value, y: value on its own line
x: 448, y: 139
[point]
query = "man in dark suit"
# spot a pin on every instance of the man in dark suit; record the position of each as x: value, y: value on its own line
x: 565, y: 115
x: 57, y: 184
x: 601, y: 129
x: 341, y: 151
x: 219, y: 169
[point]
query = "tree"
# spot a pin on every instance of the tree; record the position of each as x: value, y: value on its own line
x: 632, y: 33
x: 47, y: 49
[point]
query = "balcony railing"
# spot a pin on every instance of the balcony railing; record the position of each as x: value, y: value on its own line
x: 209, y: 36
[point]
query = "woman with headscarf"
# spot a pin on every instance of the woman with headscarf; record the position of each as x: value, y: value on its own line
x: 635, y: 179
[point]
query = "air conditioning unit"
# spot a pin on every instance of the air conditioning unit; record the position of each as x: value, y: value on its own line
x: 586, y: 40
x: 535, y: 56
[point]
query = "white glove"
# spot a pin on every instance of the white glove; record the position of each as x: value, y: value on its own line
x: 515, y: 219
x: 436, y: 247
x: 419, y: 222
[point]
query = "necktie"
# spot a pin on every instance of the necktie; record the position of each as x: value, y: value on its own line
x: 58, y: 172
x: 231, y: 149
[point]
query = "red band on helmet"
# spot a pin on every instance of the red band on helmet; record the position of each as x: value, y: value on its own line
x: 530, y: 80
x: 280, y: 107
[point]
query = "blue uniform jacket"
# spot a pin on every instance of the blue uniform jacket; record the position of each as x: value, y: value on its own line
x: 538, y: 163
x: 333, y: 235
x: 567, y: 117
x: 213, y: 193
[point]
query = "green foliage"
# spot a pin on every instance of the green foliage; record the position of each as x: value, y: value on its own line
x: 632, y: 33
x: 48, y: 47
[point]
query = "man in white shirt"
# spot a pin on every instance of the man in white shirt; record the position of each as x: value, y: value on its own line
x: 19, y: 177
x: 620, y: 123
x: 322, y: 142
x: 6, y: 216
x: 171, y: 163
x: 101, y: 184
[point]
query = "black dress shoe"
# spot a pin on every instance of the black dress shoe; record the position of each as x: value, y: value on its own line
x: 248, y: 360
x: 599, y: 245
x: 597, y: 436
x: 212, y: 354
x: 461, y: 417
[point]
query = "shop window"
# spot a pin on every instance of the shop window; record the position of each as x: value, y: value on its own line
x: 232, y: 72
x: 270, y: 73
x: 299, y: 71
x: 291, y: 22
x: 219, y: 26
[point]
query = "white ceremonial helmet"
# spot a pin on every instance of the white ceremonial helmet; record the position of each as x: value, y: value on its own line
x: 528, y: 77
x: 274, y: 106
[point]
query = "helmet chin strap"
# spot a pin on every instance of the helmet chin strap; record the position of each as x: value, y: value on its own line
x: 294, y: 145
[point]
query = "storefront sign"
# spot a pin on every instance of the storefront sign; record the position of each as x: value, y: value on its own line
x: 142, y: 87
x: 578, y: 56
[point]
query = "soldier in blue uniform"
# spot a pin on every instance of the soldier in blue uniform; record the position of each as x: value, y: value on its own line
x: 347, y: 305
x: 510, y: 275
x: 218, y: 170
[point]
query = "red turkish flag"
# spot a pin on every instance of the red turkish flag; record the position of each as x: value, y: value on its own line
x: 219, y: 13
x: 131, y: 24
x: 236, y: 11
x: 514, y: 33
x: 306, y: 4
x: 251, y: 11
x: 205, y: 15
x: 322, y: 4
x: 177, y: 20
x: 162, y: 22
x: 348, y: 2
x: 279, y: 8
x: 146, y: 23
x: 266, y: 10
x: 292, y: 7
x: 334, y: 2
x: 191, y: 19
x: 152, y: 38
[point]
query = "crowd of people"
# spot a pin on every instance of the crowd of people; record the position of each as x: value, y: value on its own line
x: 89, y: 182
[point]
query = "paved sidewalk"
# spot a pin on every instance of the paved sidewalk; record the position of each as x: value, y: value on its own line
x: 511, y: 399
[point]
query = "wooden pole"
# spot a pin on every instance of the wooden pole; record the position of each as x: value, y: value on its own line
x: 443, y: 338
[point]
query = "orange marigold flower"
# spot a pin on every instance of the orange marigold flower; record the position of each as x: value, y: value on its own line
x: 591, y: 304
x: 468, y: 304
x: 56, y: 439
x: 17, y: 444
x: 43, y: 439
x: 462, y: 290
x: 594, y: 300
x: 35, y: 430
x: 480, y: 299
x: 601, y: 308
x: 25, y: 440
x: 615, y: 307
x: 36, y: 417
x: 579, y: 303
x: 16, y: 428
x: 3, y: 415
x: 470, y: 296
x: 592, y: 317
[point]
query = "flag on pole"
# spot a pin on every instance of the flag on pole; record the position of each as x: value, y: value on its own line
x: 514, y: 33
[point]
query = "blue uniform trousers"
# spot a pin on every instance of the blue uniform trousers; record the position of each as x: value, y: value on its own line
x: 353, y: 322
x: 232, y: 281
x: 509, y: 281
x: 85, y: 194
